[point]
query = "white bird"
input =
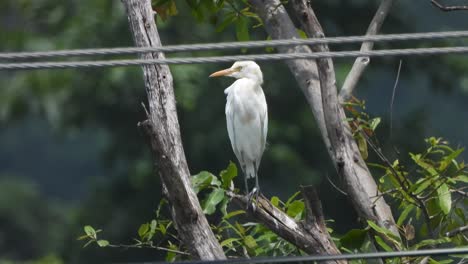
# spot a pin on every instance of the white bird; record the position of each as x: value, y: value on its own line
x: 246, y: 117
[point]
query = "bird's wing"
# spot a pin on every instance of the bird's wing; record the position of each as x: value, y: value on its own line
x: 230, y: 117
x: 264, y: 126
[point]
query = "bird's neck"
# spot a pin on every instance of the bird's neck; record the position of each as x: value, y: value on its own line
x: 256, y: 78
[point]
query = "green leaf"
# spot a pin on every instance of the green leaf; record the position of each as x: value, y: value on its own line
x: 404, y: 214
x: 229, y: 241
x: 448, y: 159
x: 89, y: 230
x: 229, y: 19
x: 445, y: 198
x: 103, y: 243
x: 362, y: 145
x: 382, y: 244
x: 153, y: 225
x: 394, y: 238
x: 461, y: 178
x: 301, y: 33
x: 431, y: 242
x: 426, y: 166
x: 250, y: 242
x: 374, y: 122
x: 288, y: 202
x: 420, y: 187
x: 240, y: 229
x: 275, y: 201
x: 234, y: 213
x: 295, y: 209
x: 143, y: 230
x: 353, y: 239
x: 227, y: 175
x: 214, y: 198
x: 163, y: 229
x: 171, y: 255
x: 242, y: 28
x: 82, y: 237
x: 87, y: 243
x: 224, y: 204
x: 202, y: 180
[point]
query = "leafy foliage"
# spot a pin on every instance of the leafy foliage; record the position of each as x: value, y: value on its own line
x: 236, y: 235
x: 430, y: 195
x: 220, y: 13
x: 432, y: 190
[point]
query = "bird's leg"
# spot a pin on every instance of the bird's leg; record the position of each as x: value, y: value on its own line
x: 253, y: 195
x: 246, y: 184
x: 257, y: 187
x: 253, y: 198
x: 245, y: 178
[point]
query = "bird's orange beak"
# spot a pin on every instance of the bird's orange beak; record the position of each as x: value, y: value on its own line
x: 222, y: 72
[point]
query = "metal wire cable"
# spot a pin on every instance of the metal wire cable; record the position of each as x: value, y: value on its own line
x: 215, y: 59
x: 373, y: 255
x: 236, y: 45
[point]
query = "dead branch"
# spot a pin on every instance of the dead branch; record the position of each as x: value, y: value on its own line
x: 344, y: 151
x: 449, y: 8
x: 310, y: 236
x: 162, y: 129
x: 360, y: 64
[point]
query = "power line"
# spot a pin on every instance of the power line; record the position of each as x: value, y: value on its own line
x: 216, y: 59
x: 372, y: 255
x: 236, y: 45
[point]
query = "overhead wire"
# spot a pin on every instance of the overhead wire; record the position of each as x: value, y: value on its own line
x: 236, y: 45
x: 294, y: 259
x: 257, y: 57
x: 217, y: 59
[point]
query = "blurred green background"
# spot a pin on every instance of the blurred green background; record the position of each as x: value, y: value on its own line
x: 71, y: 154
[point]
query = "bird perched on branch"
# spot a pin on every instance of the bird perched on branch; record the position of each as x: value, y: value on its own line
x: 247, y: 118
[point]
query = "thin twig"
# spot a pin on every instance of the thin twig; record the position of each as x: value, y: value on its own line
x: 336, y: 187
x: 149, y: 246
x: 449, y: 8
x: 395, y: 85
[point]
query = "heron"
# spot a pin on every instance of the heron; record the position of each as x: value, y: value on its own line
x: 246, y: 118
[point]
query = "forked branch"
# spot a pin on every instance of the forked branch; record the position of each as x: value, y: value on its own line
x: 311, y: 235
x: 360, y: 185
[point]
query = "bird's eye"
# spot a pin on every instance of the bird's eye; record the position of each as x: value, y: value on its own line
x: 238, y: 68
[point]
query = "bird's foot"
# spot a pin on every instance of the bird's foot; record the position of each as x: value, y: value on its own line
x: 253, y: 198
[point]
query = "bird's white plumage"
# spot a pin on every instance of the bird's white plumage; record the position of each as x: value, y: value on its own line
x: 246, y: 116
x: 247, y: 123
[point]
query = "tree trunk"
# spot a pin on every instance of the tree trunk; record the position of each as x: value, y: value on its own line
x: 162, y: 128
x: 360, y: 185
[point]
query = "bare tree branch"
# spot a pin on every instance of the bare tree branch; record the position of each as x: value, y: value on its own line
x: 162, y: 128
x: 361, y: 186
x: 457, y: 231
x: 279, y: 25
x: 360, y: 64
x: 310, y: 236
x: 449, y: 8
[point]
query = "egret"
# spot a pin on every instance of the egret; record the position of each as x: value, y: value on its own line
x: 246, y: 118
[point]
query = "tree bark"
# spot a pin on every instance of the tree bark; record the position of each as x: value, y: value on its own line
x: 360, y: 185
x: 310, y: 235
x: 163, y: 130
x: 360, y: 64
